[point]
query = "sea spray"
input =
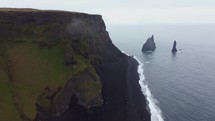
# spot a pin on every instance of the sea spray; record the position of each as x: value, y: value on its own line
x: 156, y: 114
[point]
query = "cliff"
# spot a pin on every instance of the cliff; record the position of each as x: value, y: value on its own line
x: 149, y: 45
x: 55, y: 62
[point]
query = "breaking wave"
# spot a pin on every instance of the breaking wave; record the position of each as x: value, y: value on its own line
x: 156, y: 114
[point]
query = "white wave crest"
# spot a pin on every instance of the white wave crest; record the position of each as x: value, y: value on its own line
x: 156, y: 113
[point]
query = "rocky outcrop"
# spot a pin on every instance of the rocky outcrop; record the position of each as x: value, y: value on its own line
x: 69, y: 58
x: 149, y: 45
x: 174, y: 49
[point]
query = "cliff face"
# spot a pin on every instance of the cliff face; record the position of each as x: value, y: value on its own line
x: 51, y: 58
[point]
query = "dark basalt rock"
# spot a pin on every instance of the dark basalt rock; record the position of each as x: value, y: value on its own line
x: 174, y: 49
x: 149, y: 45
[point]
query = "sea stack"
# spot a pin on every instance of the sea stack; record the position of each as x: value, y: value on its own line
x: 149, y: 45
x: 174, y: 50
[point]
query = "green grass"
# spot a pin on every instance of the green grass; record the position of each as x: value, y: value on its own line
x: 34, y: 68
x: 8, y: 111
x: 39, y: 68
x: 88, y: 89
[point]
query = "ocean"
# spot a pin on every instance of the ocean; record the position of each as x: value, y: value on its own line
x: 178, y: 87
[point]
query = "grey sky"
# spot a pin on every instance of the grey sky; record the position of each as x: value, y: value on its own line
x: 131, y: 12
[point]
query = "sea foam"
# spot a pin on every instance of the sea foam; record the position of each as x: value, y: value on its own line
x: 156, y: 113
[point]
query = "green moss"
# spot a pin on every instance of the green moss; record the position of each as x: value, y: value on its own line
x: 47, y: 97
x: 81, y: 46
x: 34, y: 68
x: 47, y: 70
x: 48, y: 34
x: 35, y: 56
x: 89, y: 91
x: 8, y: 110
x: 80, y: 65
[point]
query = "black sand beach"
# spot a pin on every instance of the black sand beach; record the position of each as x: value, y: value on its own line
x: 123, y: 100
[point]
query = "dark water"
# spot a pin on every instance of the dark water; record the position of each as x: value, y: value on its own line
x: 183, y: 84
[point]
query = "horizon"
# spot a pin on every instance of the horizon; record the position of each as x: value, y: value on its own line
x: 131, y: 13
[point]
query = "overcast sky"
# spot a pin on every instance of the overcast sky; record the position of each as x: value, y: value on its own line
x: 132, y: 11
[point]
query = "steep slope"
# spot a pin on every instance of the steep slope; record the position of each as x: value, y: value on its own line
x: 53, y: 60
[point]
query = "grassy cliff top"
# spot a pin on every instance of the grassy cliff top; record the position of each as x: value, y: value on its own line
x: 38, y: 58
x: 31, y: 10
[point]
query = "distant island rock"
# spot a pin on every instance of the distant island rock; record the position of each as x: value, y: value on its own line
x: 174, y: 49
x: 149, y: 45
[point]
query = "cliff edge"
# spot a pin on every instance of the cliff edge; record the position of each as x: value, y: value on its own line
x: 55, y: 63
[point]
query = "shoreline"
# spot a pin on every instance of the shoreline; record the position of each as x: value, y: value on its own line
x: 156, y: 113
x: 123, y: 99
